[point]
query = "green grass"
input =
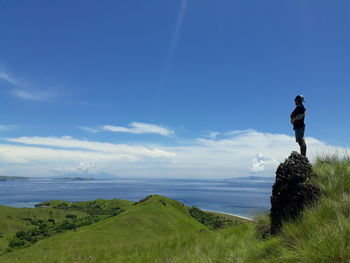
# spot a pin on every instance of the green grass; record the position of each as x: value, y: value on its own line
x: 13, y: 220
x: 161, y: 230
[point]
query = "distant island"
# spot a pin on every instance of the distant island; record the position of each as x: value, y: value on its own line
x: 12, y: 178
x: 250, y: 178
x: 76, y: 178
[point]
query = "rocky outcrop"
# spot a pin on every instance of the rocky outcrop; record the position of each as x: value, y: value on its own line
x: 292, y: 190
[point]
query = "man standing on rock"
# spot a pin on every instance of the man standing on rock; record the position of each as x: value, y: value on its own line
x: 297, y: 119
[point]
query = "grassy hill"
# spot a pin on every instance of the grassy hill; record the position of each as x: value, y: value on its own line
x: 148, y: 222
x: 158, y: 229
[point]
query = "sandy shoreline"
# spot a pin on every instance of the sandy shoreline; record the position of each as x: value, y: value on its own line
x: 231, y: 215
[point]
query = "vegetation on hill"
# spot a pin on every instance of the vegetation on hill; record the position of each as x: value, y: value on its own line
x: 19, y: 223
x: 22, y: 227
x: 210, y: 220
x: 158, y: 229
x: 97, y: 207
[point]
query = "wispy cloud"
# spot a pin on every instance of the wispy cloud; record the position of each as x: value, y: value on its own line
x: 23, y: 90
x: 92, y: 130
x: 139, y: 128
x: 8, y: 127
x: 6, y: 77
x: 171, y: 51
x: 174, y: 41
x: 42, y: 95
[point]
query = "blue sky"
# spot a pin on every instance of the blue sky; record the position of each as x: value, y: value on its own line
x: 177, y: 88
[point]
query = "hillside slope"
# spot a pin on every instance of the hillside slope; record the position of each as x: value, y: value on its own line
x: 149, y: 222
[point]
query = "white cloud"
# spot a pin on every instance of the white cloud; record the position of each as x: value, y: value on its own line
x: 82, y: 167
x: 99, y: 147
x: 238, y: 132
x: 139, y: 127
x: 241, y: 154
x: 259, y: 163
x: 19, y: 154
x: 213, y: 135
x: 237, y: 154
x: 79, y: 156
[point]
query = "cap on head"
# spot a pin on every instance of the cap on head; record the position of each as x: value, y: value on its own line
x: 299, y: 98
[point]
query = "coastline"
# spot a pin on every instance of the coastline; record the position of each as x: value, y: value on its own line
x: 242, y: 218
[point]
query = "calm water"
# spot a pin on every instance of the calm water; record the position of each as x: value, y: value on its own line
x: 234, y: 196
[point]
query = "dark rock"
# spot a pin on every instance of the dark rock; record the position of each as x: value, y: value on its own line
x: 162, y: 202
x: 292, y: 190
x: 143, y: 200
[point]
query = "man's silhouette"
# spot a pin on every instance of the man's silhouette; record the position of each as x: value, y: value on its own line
x: 297, y: 119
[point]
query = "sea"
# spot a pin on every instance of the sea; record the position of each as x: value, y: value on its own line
x: 245, y: 197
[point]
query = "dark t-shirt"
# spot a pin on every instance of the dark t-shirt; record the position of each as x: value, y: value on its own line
x: 300, y: 109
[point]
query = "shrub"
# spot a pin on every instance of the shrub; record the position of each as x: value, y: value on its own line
x: 209, y: 220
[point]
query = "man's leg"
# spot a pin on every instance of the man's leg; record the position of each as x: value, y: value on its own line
x: 299, y: 136
x: 302, y: 146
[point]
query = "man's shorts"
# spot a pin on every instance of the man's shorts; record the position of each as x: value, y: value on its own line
x: 299, y: 134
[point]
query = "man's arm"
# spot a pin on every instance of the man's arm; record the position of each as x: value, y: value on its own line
x: 298, y: 117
